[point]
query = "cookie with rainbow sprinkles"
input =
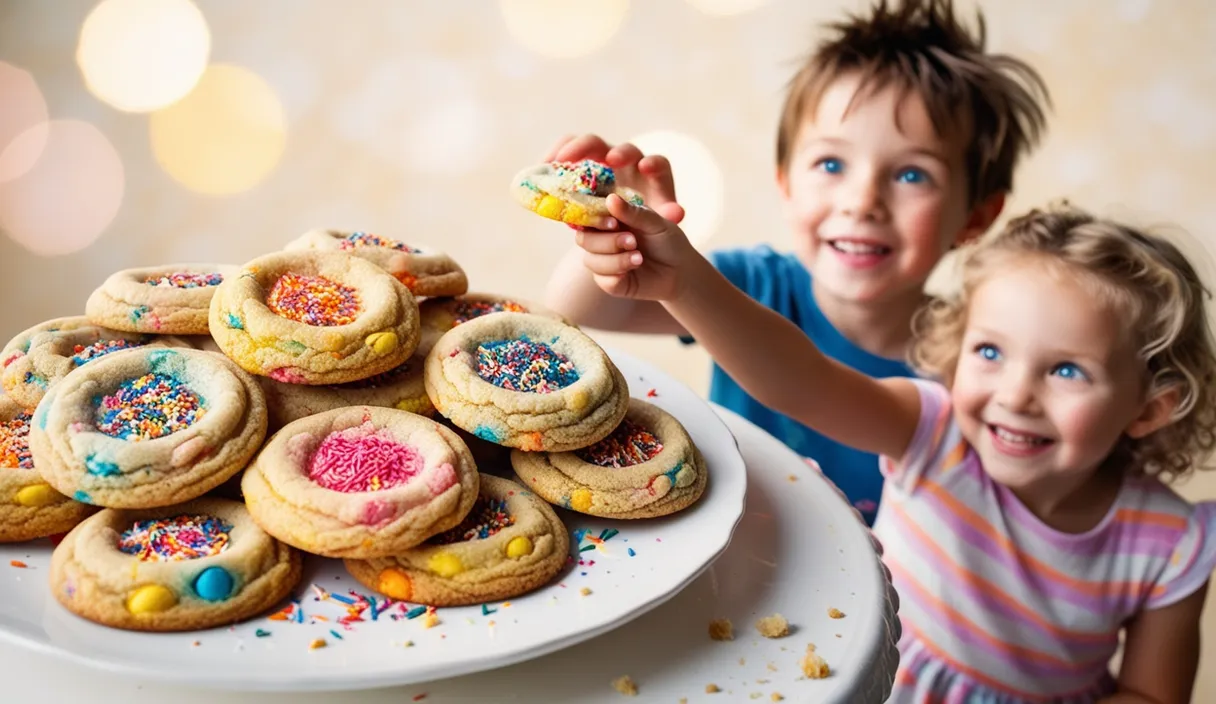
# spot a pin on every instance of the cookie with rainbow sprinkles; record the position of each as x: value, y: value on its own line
x: 147, y: 427
x: 168, y: 300
x: 39, y: 357
x: 424, y: 271
x: 647, y: 467
x: 509, y: 544
x: 575, y: 193
x: 190, y: 566
x: 443, y: 314
x: 29, y: 507
x: 360, y: 482
x: 526, y: 381
x: 314, y: 317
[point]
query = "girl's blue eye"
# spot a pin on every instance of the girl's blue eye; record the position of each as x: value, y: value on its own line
x: 830, y: 165
x: 912, y: 175
x: 988, y: 353
x: 1068, y: 370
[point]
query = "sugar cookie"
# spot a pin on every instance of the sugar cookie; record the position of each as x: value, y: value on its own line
x: 29, y: 507
x: 574, y: 193
x: 314, y: 318
x: 172, y: 299
x: 147, y: 427
x: 424, y: 271
x: 647, y: 467
x: 510, y: 543
x: 360, y: 482
x: 39, y: 357
x: 443, y: 314
x: 186, y: 567
x: 526, y: 381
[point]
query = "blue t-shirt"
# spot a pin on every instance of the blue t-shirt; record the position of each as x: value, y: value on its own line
x: 782, y: 283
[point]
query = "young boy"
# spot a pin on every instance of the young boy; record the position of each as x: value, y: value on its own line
x: 897, y: 141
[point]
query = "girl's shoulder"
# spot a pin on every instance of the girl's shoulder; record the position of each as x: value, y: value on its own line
x: 1152, y: 516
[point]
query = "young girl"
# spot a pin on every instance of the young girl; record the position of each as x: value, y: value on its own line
x: 1025, y: 517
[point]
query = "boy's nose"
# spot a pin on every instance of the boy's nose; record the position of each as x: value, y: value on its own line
x: 862, y: 198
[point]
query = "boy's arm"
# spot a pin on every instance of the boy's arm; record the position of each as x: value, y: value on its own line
x: 780, y: 366
x: 1161, y: 654
x: 572, y: 291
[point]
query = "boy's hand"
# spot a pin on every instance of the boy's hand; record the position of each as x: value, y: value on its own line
x: 649, y: 175
x: 650, y: 258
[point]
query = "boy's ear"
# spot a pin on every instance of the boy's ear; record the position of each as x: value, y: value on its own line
x: 981, y: 218
x: 783, y: 182
x: 1157, y: 412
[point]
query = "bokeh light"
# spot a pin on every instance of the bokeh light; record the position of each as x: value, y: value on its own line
x: 225, y: 137
x: 562, y: 29
x: 22, y: 109
x: 142, y: 55
x: 69, y: 196
x: 449, y: 137
x: 726, y: 7
x: 699, y: 184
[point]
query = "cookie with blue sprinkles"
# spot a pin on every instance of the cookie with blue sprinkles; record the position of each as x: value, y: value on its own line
x: 647, y: 467
x: 37, y: 358
x: 190, y: 566
x: 527, y: 382
x: 172, y: 299
x: 147, y: 427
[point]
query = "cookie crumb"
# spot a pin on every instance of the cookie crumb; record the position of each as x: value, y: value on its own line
x: 742, y: 661
x: 196, y: 643
x: 683, y: 700
x: 761, y: 681
x: 721, y: 629
x: 835, y: 613
x: 318, y: 643
x: 408, y: 644
x: 772, y: 667
x: 419, y: 697
x: 756, y: 695
x: 431, y: 619
x: 776, y: 696
x: 814, y: 666
x: 774, y: 626
x: 585, y: 591
x: 793, y: 477
x: 712, y: 688
x: 625, y: 685
x: 839, y: 636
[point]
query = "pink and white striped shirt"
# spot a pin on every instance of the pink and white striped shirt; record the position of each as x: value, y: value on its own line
x: 998, y: 607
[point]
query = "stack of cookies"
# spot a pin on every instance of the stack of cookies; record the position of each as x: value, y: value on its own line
x: 202, y: 427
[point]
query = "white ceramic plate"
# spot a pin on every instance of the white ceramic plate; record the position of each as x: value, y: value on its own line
x: 628, y: 573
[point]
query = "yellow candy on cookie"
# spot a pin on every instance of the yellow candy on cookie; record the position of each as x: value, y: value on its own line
x: 571, y: 192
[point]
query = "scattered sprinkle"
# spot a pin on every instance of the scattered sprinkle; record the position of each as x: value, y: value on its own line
x: 712, y: 688
x: 585, y: 591
x: 625, y: 685
x: 631, y: 552
x: 835, y: 613
x: 18, y: 564
x: 721, y: 629
x: 419, y: 697
x: 776, y: 696
x: 793, y: 477
x: 318, y: 643
x: 415, y: 612
x: 335, y: 634
x: 652, y: 393
x: 260, y: 633
x: 196, y: 643
x: 774, y: 626
x: 486, y: 610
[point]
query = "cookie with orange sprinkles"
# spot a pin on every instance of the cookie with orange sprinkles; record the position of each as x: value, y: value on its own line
x: 526, y: 381
x: 360, y: 482
x: 443, y: 314
x: 167, y: 300
x: 147, y: 427
x: 39, y: 357
x: 647, y: 467
x: 29, y: 507
x: 185, y: 567
x: 313, y: 317
x: 575, y: 193
x: 509, y: 544
x: 424, y: 271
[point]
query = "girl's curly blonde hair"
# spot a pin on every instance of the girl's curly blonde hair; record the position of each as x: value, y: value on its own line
x: 1153, y: 287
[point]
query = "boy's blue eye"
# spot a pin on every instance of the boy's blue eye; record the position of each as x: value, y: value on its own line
x: 1068, y: 370
x: 988, y: 353
x: 830, y: 165
x: 912, y: 175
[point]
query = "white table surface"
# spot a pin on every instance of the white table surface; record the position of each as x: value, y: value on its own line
x: 799, y: 550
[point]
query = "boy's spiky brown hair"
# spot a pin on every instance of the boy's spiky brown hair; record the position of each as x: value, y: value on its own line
x: 921, y: 48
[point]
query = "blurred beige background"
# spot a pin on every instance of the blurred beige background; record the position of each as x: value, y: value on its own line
x: 409, y: 119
